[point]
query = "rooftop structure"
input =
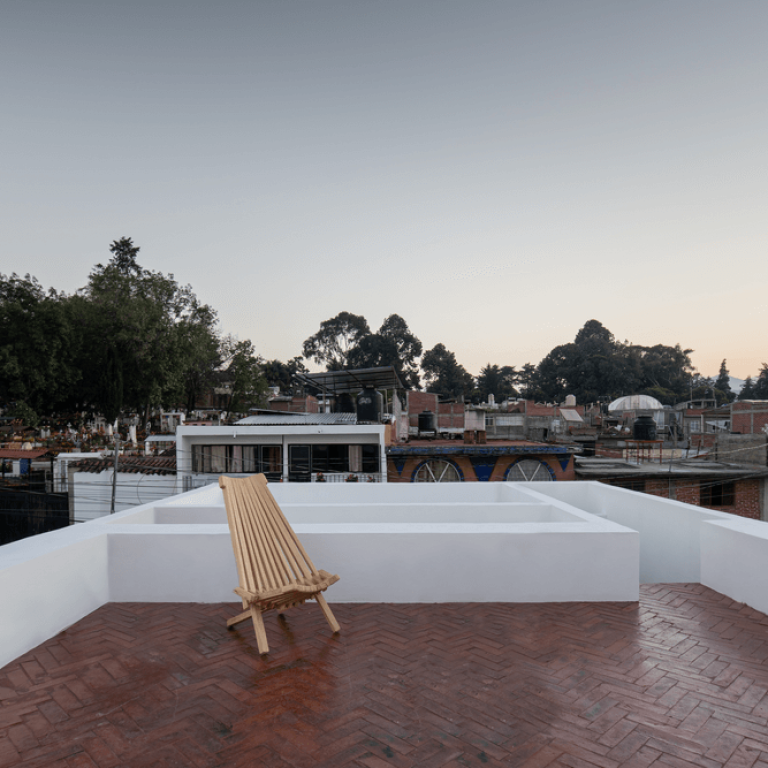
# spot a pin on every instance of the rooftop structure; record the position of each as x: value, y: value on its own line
x: 635, y: 403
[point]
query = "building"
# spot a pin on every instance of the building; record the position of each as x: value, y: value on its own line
x: 727, y: 487
x: 139, y: 480
x: 325, y: 447
x: 498, y: 460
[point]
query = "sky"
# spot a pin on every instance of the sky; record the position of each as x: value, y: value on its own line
x: 497, y: 173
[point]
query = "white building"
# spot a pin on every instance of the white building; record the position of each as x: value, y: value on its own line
x: 305, y: 447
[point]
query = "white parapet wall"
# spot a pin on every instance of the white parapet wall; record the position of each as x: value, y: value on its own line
x: 502, y: 542
x: 734, y: 554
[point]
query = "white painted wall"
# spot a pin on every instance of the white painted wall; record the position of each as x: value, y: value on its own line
x: 734, y: 554
x: 47, y: 583
x: 92, y: 491
x: 669, y: 530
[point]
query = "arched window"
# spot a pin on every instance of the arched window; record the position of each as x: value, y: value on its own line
x: 526, y: 470
x: 437, y: 471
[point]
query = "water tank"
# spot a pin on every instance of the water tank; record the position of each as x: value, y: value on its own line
x: 644, y: 428
x: 426, y: 421
x: 369, y: 406
x: 570, y: 401
x: 344, y: 403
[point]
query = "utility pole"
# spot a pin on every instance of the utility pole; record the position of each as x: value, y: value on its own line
x: 114, y: 474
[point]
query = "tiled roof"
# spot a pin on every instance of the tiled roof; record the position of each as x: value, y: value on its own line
x: 135, y: 465
x: 17, y: 453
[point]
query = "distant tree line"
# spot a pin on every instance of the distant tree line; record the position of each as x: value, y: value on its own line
x: 130, y: 340
x: 133, y: 339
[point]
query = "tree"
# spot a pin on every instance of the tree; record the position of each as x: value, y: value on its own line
x: 665, y: 369
x: 408, y: 349
x: 281, y: 375
x: 761, y: 385
x: 498, y: 381
x: 527, y: 378
x: 748, y: 390
x: 140, y: 328
x: 444, y: 375
x: 723, y: 385
x: 393, y: 344
x: 244, y: 378
x: 38, y: 346
x: 335, y: 339
x: 199, y: 348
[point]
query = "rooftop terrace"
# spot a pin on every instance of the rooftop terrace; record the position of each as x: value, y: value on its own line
x: 678, y: 679
x: 528, y: 624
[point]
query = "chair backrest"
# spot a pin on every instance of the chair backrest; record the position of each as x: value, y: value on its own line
x: 268, y: 554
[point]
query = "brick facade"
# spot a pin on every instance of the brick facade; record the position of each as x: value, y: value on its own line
x: 497, y: 465
x: 746, y: 496
x: 749, y: 417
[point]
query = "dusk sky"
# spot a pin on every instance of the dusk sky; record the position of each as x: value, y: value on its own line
x: 497, y: 173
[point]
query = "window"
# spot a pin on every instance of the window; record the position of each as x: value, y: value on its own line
x: 717, y: 494
x: 246, y: 459
x: 527, y: 470
x: 330, y: 458
x: 437, y: 471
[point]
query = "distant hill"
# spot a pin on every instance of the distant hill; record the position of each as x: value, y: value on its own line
x: 736, y: 384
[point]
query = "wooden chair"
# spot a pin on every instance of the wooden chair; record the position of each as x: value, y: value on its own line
x: 273, y: 568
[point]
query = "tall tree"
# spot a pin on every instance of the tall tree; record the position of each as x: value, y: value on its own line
x: 244, y: 378
x: 444, y: 375
x: 39, y: 345
x: 723, y: 385
x: 393, y: 344
x: 332, y: 344
x: 498, y: 381
x: 279, y: 374
x: 137, y: 324
x: 748, y: 390
x: 761, y: 385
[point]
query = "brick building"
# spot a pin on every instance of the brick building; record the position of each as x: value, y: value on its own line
x: 733, y: 488
x: 749, y: 417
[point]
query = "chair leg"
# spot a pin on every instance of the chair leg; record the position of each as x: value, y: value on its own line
x: 261, y: 633
x: 329, y: 617
x: 244, y: 616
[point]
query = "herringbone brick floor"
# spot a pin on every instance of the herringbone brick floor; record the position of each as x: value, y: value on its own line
x: 679, y: 679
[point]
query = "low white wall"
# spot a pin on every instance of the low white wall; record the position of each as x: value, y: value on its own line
x: 734, y: 554
x: 669, y: 530
x: 171, y: 564
x: 47, y: 583
x: 387, y: 562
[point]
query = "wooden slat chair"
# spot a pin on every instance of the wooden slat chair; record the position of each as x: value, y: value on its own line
x: 274, y: 570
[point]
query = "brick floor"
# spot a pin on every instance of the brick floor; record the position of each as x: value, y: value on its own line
x: 677, y: 680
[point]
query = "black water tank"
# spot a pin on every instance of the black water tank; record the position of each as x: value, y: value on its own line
x: 369, y: 406
x: 426, y: 421
x: 344, y: 403
x: 644, y: 428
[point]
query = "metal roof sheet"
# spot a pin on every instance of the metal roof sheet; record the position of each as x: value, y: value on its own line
x: 352, y: 381
x: 294, y: 419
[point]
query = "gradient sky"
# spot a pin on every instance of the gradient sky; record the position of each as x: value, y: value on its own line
x: 497, y: 173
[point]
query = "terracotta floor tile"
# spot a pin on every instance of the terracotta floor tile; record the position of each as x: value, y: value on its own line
x: 678, y: 679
